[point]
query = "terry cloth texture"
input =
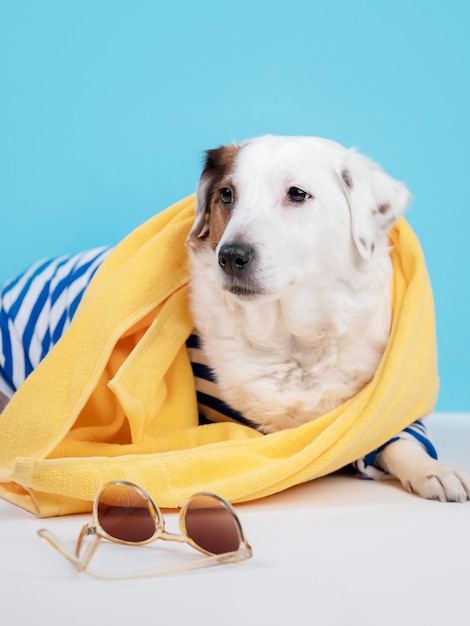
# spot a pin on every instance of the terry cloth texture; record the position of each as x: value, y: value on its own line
x: 115, y: 397
x: 37, y: 307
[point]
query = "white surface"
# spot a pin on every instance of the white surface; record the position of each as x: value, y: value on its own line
x: 337, y: 551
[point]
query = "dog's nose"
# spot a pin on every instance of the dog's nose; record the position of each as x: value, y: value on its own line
x: 234, y: 258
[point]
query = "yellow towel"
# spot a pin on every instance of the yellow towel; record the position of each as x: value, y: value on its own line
x: 115, y: 397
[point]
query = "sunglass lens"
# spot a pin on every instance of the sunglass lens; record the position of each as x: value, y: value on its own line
x: 211, y: 525
x: 124, y: 514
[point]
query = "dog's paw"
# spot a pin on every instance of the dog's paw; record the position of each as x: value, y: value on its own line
x: 423, y: 475
x: 440, y: 482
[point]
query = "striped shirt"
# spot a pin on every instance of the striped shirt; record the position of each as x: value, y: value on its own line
x: 37, y: 307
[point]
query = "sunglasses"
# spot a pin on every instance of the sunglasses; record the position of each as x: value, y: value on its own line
x: 124, y: 513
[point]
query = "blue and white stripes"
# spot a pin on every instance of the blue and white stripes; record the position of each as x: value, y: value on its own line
x: 211, y: 407
x: 37, y: 307
x: 368, y: 468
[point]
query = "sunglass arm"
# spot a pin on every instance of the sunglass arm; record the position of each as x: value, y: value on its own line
x: 175, y: 568
x: 81, y: 565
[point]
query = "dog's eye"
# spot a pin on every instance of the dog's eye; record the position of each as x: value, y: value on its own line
x: 295, y: 194
x: 226, y: 195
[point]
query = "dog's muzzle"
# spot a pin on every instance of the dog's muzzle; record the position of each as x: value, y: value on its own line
x: 235, y: 259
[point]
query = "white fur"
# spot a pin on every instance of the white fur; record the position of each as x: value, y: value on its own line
x: 314, y: 328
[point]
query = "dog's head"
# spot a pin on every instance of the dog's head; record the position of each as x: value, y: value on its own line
x: 279, y: 211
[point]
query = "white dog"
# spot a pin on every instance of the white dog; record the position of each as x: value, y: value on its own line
x: 290, y: 287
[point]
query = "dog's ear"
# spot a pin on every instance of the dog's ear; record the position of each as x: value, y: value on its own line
x: 216, y: 165
x: 376, y: 201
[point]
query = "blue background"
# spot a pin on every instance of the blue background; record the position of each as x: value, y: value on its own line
x: 106, y: 108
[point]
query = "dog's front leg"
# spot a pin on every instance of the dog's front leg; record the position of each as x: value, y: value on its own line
x: 423, y: 475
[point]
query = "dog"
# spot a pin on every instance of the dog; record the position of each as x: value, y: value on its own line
x: 290, y: 287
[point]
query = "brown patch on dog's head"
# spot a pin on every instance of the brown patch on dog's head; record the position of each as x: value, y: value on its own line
x: 219, y: 160
x: 212, y: 214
